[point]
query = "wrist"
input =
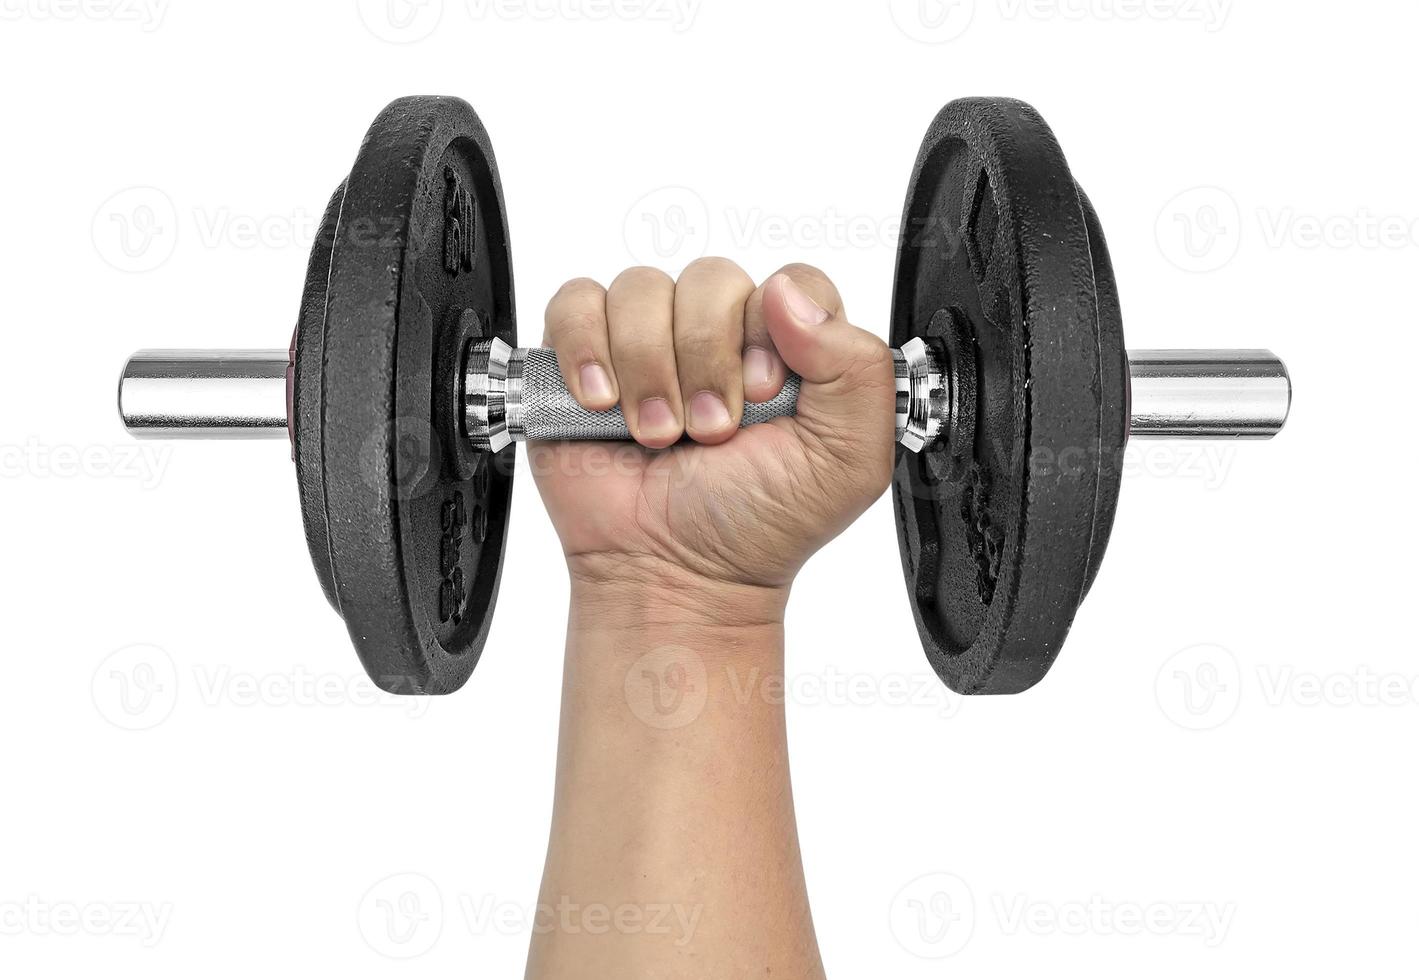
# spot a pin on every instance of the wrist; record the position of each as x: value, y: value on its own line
x: 627, y: 593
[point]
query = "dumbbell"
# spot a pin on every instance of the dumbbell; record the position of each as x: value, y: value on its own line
x: 404, y: 392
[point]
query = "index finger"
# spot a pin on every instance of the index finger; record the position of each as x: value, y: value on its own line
x: 577, y: 331
x: 764, y: 370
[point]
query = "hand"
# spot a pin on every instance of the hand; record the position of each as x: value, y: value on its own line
x: 729, y: 507
x: 681, y: 555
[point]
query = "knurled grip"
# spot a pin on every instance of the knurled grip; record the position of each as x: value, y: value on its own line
x: 539, y: 406
x: 515, y: 395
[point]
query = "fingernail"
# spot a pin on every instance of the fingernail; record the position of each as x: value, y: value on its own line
x: 801, y: 305
x: 758, y: 367
x: 656, y: 419
x: 707, y: 412
x: 596, y: 383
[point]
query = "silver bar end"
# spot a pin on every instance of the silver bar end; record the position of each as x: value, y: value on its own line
x: 206, y: 394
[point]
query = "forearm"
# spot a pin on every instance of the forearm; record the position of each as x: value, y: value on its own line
x: 674, y: 851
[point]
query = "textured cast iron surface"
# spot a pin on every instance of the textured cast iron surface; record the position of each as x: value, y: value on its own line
x: 308, y: 345
x: 1001, y: 538
x: 1113, y: 382
x: 406, y: 525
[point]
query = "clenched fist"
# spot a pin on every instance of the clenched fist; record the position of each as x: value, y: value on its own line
x: 698, y: 501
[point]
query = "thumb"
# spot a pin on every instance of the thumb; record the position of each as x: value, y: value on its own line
x: 848, y: 400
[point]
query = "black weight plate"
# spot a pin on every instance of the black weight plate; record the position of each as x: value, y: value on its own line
x: 416, y: 520
x: 998, y: 527
x: 306, y: 348
x: 1113, y: 377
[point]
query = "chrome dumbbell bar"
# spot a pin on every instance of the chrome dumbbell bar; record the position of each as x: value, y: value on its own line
x: 516, y: 394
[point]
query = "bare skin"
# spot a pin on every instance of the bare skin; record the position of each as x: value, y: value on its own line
x: 674, y: 847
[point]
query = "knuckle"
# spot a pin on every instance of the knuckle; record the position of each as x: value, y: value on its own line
x: 576, y: 326
x: 578, y: 286
x: 643, y: 350
x: 872, y: 352
x: 582, y: 284
x: 580, y: 354
x: 756, y: 329
x: 715, y: 268
x: 868, y: 366
x: 704, y: 346
x: 642, y: 278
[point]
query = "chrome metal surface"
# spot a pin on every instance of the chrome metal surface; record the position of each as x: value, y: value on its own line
x: 923, y: 396
x: 536, y: 405
x: 485, y: 392
x: 205, y: 394
x: 513, y: 395
x: 1208, y: 394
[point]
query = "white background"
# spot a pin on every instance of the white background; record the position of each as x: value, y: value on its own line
x: 1217, y: 777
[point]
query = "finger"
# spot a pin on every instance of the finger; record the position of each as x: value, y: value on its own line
x: 709, y: 346
x: 764, y: 370
x: 848, y: 401
x: 640, y: 312
x: 576, y: 330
